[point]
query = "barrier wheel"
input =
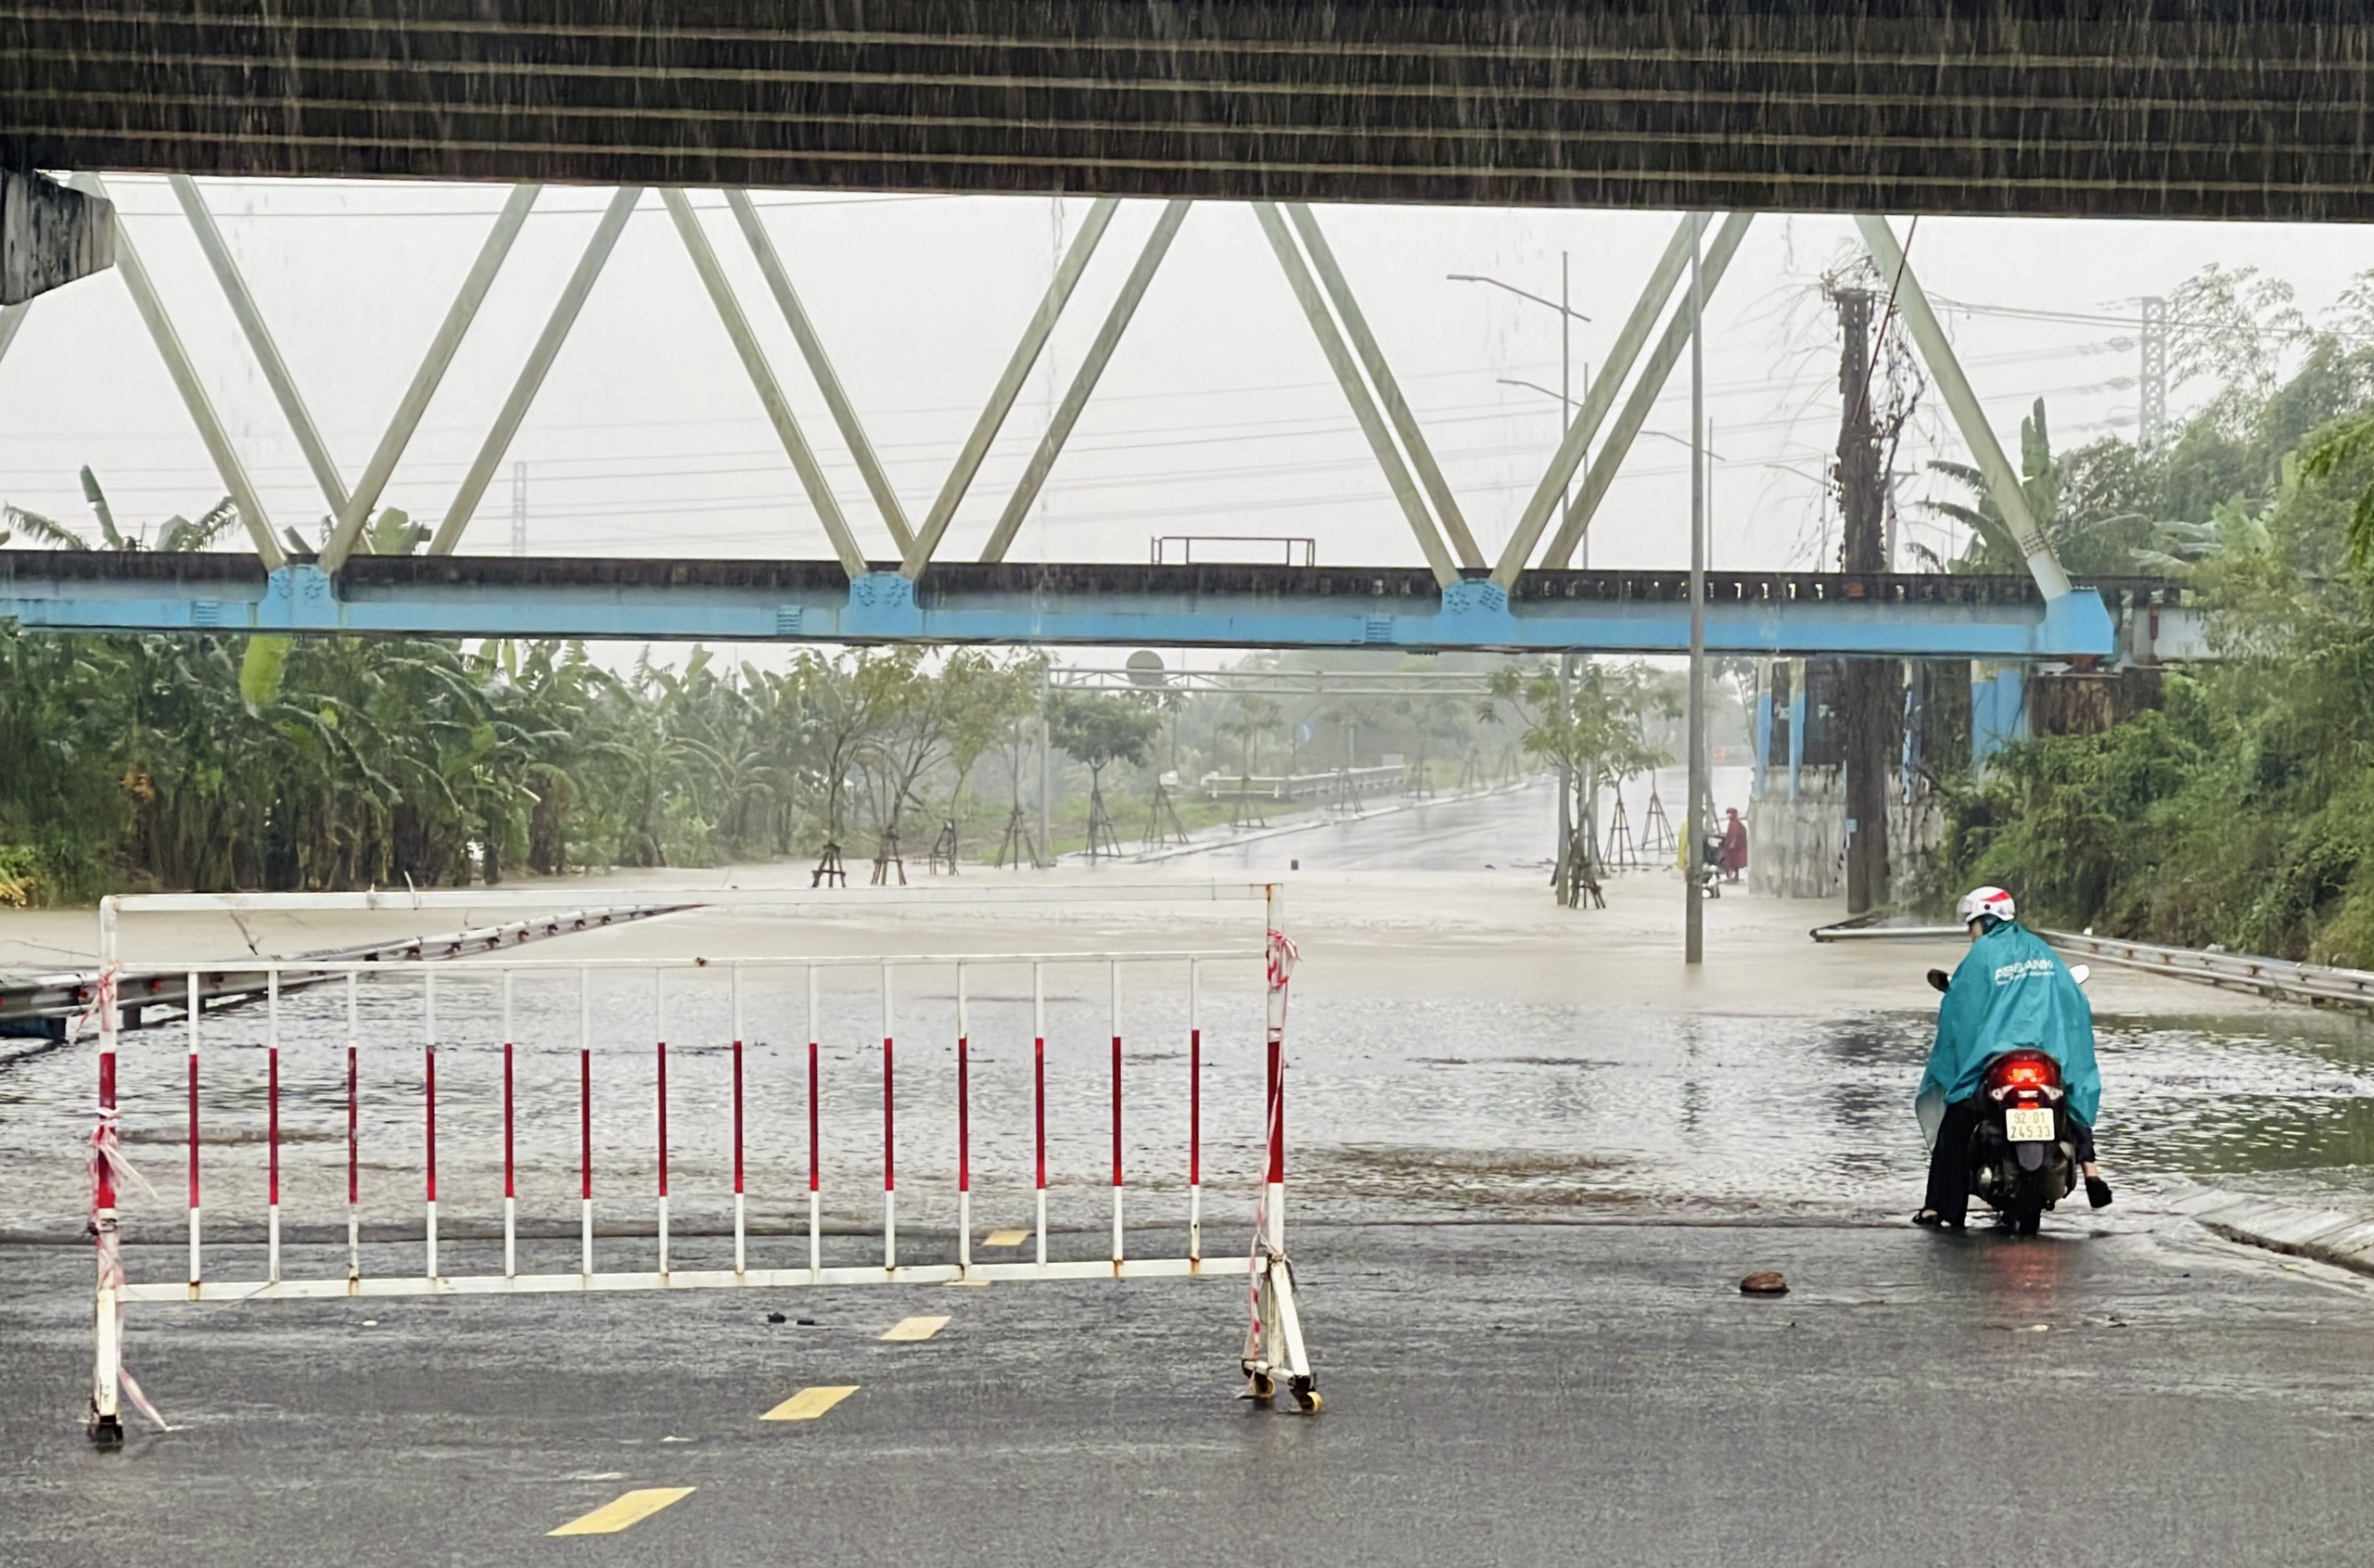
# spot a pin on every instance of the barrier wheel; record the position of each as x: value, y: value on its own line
x: 106, y: 1432
x: 1262, y: 1390
x: 1306, y: 1392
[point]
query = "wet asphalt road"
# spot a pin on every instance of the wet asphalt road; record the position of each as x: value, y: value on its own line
x: 1514, y: 827
x: 1522, y: 1225
x: 1531, y: 1393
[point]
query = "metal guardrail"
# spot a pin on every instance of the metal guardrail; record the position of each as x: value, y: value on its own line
x: 41, y: 1006
x: 2279, y: 977
x: 1280, y: 683
x: 1849, y: 931
x: 1383, y: 780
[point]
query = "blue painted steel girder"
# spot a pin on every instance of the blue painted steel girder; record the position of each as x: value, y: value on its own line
x: 1229, y: 606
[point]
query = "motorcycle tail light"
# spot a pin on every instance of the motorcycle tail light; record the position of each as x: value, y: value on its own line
x: 2023, y: 1070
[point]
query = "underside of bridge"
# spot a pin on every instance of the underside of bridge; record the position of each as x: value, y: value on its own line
x: 2187, y: 109
x: 1095, y: 605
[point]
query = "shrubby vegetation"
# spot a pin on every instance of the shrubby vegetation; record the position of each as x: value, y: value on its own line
x: 140, y: 761
x: 213, y: 762
x: 2241, y: 812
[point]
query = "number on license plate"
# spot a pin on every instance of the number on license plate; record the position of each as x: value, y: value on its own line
x: 2025, y: 1125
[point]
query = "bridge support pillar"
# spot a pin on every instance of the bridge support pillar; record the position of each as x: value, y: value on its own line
x: 1998, y: 709
x: 49, y: 236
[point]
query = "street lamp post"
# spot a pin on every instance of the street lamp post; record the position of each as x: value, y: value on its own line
x: 1693, y: 940
x: 1567, y: 317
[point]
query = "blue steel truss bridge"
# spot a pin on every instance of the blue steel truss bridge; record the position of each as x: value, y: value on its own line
x: 2229, y: 108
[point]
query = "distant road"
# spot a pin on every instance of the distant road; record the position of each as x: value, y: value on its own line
x: 1503, y: 830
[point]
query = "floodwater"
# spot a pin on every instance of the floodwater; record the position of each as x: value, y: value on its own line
x: 1412, y: 1096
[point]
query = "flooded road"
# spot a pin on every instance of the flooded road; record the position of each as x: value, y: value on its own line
x: 1459, y: 1046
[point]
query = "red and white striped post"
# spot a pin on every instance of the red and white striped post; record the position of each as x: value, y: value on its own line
x: 195, y: 1271
x: 963, y: 1126
x: 353, y: 1132
x: 741, y: 1259
x: 1195, y: 1113
x: 510, y: 1168
x: 428, y: 1105
x: 815, y: 1159
x: 1273, y: 1342
x: 585, y: 1121
x: 1114, y: 966
x: 107, y: 1338
x: 1038, y: 1093
x: 1274, y: 1178
x: 889, y: 1136
x: 272, y: 1125
x: 659, y: 1034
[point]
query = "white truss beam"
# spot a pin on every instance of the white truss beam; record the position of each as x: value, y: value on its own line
x: 1356, y: 392
x: 261, y: 341
x: 820, y: 365
x: 1389, y: 390
x: 162, y: 333
x: 1598, y: 398
x: 532, y: 375
x: 762, y: 378
x: 1075, y: 396
x: 1645, y: 392
x: 1009, y: 386
x: 2002, y: 479
x: 346, y: 532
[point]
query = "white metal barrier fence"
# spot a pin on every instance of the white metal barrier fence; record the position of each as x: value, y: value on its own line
x: 1273, y: 1352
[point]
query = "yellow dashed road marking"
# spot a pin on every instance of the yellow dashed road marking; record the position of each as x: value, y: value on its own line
x: 619, y: 1512
x: 809, y: 1402
x: 910, y: 1329
x: 1005, y: 1238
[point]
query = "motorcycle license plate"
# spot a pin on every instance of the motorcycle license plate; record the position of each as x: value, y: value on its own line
x: 2024, y: 1125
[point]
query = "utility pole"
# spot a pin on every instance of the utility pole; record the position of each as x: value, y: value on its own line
x: 1046, y: 770
x: 2151, y: 418
x: 1873, y: 703
x: 1693, y: 937
x: 1565, y: 398
x: 1565, y: 771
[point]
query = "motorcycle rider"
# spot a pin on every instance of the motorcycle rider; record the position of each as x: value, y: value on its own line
x: 2009, y: 991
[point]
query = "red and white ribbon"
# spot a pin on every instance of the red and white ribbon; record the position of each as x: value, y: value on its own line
x: 1283, y: 955
x: 111, y: 1171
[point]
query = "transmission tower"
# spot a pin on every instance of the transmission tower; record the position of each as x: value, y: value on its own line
x: 2151, y: 418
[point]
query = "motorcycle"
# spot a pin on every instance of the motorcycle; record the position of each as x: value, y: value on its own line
x: 2021, y: 1158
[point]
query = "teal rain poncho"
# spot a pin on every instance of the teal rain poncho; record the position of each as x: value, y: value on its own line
x: 2009, y: 991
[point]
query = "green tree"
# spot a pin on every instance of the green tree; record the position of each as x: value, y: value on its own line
x: 1100, y: 729
x: 1590, y: 728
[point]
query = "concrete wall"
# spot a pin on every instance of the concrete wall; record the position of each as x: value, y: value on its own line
x: 1796, y: 848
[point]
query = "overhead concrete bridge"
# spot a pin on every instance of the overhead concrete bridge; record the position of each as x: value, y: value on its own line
x: 2176, y: 108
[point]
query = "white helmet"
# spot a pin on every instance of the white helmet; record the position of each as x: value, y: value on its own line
x: 1981, y: 901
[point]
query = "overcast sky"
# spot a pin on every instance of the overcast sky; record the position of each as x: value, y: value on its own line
x: 1218, y: 415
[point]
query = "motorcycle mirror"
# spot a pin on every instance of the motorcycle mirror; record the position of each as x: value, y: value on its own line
x: 1939, y: 979
x: 2081, y: 973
